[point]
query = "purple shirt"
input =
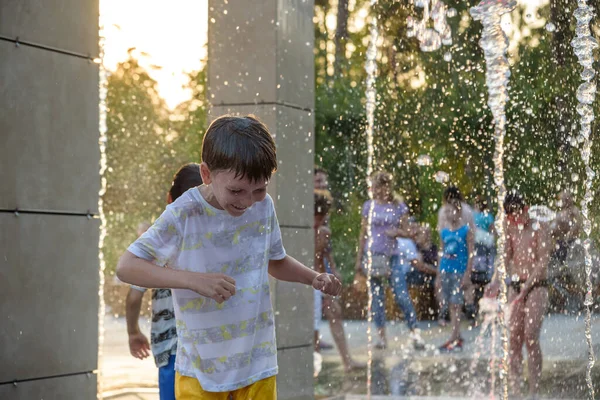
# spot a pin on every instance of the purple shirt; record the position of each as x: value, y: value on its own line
x: 385, y: 216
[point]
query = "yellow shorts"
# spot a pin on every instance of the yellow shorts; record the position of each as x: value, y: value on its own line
x: 187, y: 388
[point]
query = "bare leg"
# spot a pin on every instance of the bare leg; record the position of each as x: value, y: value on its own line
x: 455, y: 321
x: 382, y: 334
x: 469, y: 293
x: 516, y: 327
x: 439, y: 297
x: 333, y: 312
x: 535, y: 308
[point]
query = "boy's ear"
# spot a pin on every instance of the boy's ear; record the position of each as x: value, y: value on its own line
x: 205, y: 173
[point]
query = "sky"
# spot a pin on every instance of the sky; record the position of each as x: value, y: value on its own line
x: 172, y: 35
x: 168, y: 34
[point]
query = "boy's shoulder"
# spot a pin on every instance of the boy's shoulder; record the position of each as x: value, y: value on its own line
x: 187, y: 205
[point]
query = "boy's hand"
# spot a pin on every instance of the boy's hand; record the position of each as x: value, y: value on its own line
x: 327, y: 284
x: 218, y: 287
x: 139, y: 347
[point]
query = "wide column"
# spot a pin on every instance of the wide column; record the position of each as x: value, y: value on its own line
x: 261, y: 62
x: 49, y: 163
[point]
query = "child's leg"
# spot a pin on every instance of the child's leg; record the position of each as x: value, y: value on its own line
x: 265, y: 389
x: 535, y: 308
x: 378, y: 305
x: 439, y: 298
x: 318, y: 309
x: 516, y: 328
x: 187, y: 388
x: 455, y: 298
x: 333, y: 312
x: 402, y: 297
x: 166, y: 380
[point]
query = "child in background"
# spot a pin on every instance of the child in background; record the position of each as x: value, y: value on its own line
x: 528, y: 248
x: 221, y: 242
x: 163, y: 334
x: 332, y: 308
x: 456, y: 229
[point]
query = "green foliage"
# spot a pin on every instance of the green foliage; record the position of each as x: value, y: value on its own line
x: 428, y: 106
x: 146, y: 144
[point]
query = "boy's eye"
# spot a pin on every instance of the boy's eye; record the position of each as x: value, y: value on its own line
x: 235, y: 191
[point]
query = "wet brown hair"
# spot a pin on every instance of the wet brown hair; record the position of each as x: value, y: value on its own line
x: 240, y: 144
x: 323, y: 200
x: 187, y: 177
x: 514, y: 202
x: 453, y: 196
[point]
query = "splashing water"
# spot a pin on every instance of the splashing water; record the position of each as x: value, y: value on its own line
x: 102, y: 144
x: 489, y: 309
x: 583, y: 47
x: 371, y: 98
x: 431, y: 39
x: 495, y: 44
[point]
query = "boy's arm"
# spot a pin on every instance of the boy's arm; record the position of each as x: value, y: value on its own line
x: 420, y: 265
x: 140, y: 272
x: 402, y: 230
x: 332, y: 265
x: 139, y: 347
x: 466, y: 281
x: 329, y: 257
x: 291, y: 270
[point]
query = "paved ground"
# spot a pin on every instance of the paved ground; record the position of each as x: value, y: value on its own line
x: 563, y: 346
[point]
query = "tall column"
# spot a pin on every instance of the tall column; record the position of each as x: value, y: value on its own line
x: 261, y: 62
x: 49, y: 163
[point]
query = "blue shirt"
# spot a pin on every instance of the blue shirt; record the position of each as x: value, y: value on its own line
x: 483, y: 220
x: 456, y: 252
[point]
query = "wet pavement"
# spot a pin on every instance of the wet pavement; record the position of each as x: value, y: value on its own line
x: 121, y: 373
x: 399, y: 370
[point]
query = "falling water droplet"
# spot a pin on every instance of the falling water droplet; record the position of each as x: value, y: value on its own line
x: 448, y: 56
x: 586, y: 93
x: 588, y: 74
x: 550, y: 27
x: 424, y: 160
x: 441, y: 177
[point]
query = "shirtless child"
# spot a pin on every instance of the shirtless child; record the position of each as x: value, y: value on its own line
x: 527, y: 251
x: 331, y: 306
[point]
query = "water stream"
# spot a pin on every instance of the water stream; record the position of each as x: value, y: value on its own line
x: 583, y: 46
x: 494, y: 43
x: 371, y: 99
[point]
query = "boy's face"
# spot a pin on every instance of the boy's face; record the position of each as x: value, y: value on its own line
x: 321, y: 181
x: 452, y: 211
x: 234, y: 194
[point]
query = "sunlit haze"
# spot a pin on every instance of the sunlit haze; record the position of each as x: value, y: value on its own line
x: 169, y: 39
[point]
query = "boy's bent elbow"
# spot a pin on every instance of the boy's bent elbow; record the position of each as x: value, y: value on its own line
x: 123, y: 267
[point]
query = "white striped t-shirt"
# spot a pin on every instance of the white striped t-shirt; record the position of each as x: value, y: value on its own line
x: 231, y: 345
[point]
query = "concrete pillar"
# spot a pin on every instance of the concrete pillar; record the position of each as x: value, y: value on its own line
x: 49, y: 162
x: 261, y: 62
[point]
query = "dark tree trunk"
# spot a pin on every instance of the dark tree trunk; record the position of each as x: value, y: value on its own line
x: 341, y: 35
x: 561, y: 13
